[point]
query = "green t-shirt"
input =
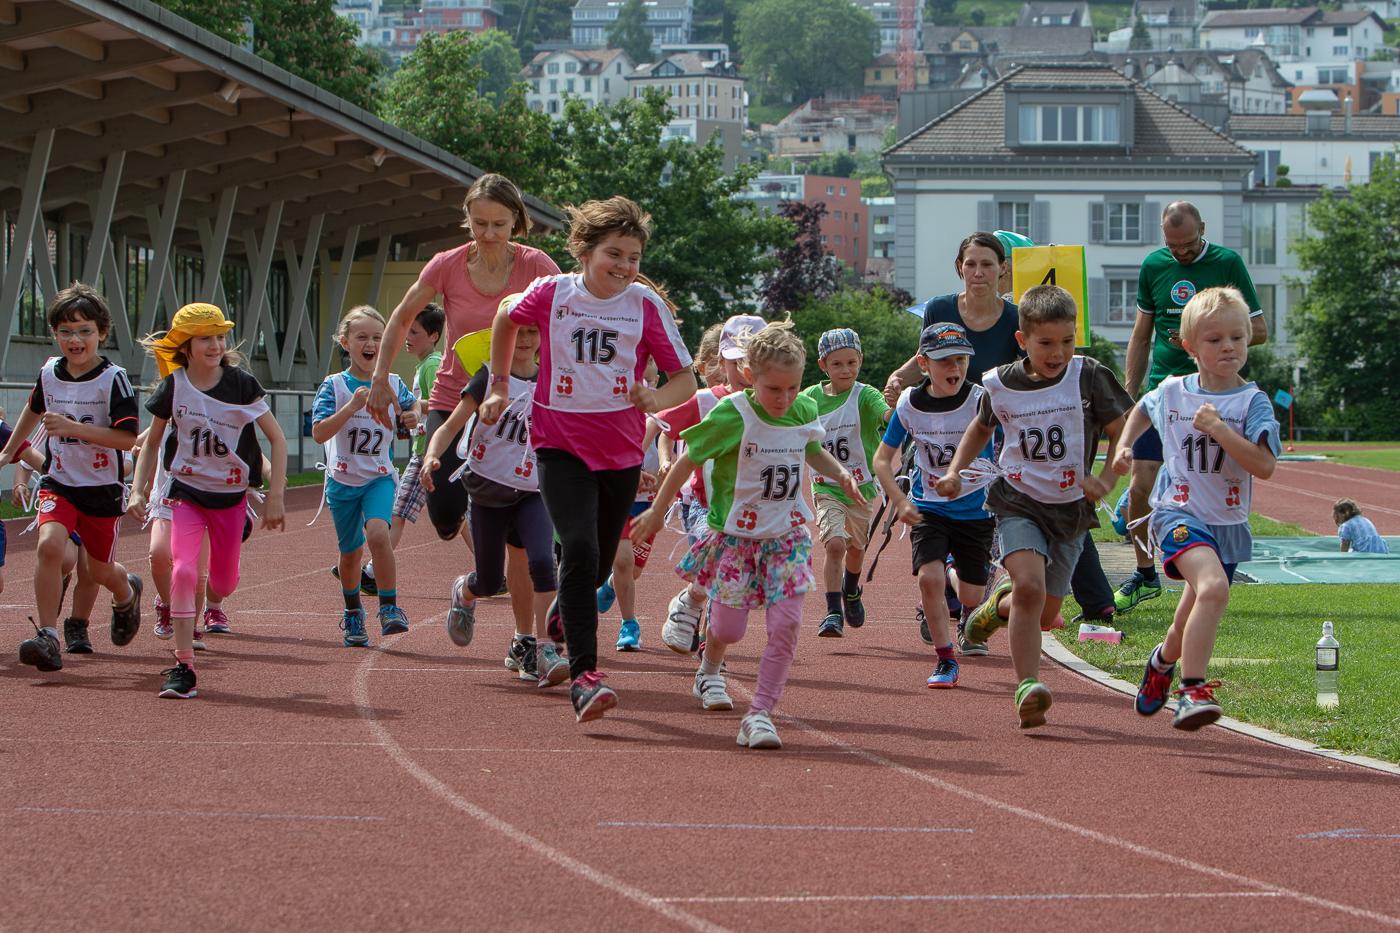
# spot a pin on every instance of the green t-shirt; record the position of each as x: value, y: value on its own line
x: 1164, y: 288
x: 871, y: 407
x: 718, y: 437
x: 423, y: 378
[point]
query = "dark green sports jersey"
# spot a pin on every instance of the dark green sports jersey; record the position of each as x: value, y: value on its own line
x: 1164, y: 287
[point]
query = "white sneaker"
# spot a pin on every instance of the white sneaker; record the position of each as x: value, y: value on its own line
x: 757, y: 731
x: 709, y: 690
x: 682, y: 619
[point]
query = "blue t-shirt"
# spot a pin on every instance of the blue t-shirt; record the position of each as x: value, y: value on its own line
x: 991, y: 348
x: 324, y: 406
x: 965, y: 508
x: 1363, y: 535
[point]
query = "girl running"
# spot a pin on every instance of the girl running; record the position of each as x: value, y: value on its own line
x: 360, y: 474
x: 598, y: 328
x: 506, y: 508
x: 757, y: 551
x: 212, y: 406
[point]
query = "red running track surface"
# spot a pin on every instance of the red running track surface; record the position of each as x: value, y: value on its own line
x: 417, y: 785
x: 1302, y: 492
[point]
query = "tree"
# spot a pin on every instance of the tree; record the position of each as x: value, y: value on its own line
x: 838, y: 164
x: 435, y: 95
x: 226, y: 20
x: 806, y: 271
x: 977, y: 15
x: 1346, y: 325
x: 1141, y: 38
x: 803, y: 48
x: 495, y: 54
x: 888, y: 335
x: 307, y: 38
x: 629, y: 32
x: 1105, y: 351
x: 939, y: 12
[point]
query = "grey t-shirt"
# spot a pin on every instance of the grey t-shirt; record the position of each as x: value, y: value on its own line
x: 1105, y: 401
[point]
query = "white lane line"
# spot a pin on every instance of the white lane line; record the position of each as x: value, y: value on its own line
x: 1328, y: 497
x: 780, y: 827
x: 1085, y: 832
x: 204, y: 814
x: 1349, y: 834
x: 963, y: 898
x: 401, y: 757
x: 436, y: 749
x: 1290, y: 470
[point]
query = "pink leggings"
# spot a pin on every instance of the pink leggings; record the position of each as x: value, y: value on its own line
x: 188, y: 524
x: 783, y: 619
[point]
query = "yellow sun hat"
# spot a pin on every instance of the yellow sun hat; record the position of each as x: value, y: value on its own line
x: 193, y: 320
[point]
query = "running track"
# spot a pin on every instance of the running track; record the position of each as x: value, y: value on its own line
x: 417, y: 786
x: 1302, y: 492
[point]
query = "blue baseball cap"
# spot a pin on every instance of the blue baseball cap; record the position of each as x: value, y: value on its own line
x: 944, y: 339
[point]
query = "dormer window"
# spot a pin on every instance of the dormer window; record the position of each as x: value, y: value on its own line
x: 1070, y: 125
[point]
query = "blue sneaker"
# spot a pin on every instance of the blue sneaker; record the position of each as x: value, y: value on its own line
x: 352, y: 623
x: 606, y: 597
x: 944, y: 676
x: 392, y: 620
x: 629, y: 637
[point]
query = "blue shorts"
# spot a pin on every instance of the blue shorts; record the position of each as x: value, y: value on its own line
x: 1182, y: 535
x: 1148, y: 446
x: 354, y: 506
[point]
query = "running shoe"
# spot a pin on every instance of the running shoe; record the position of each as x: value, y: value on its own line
x: 1152, y: 692
x: 352, y: 623
x: 392, y: 620
x: 945, y: 675
x: 41, y: 651
x: 367, y: 585
x: 972, y: 649
x: 164, y: 630
x: 606, y: 595
x: 1032, y: 700
x: 757, y: 731
x: 629, y: 636
x: 521, y: 656
x: 179, y: 683
x: 682, y: 624
x: 1136, y: 589
x: 216, y: 621
x: 710, y: 690
x: 197, y: 638
x: 1196, y: 706
x: 985, y: 619
x: 75, y: 636
x: 924, y: 634
x: 590, y: 698
x: 550, y: 668
x: 831, y: 626
x: 554, y: 622
x: 461, y: 618
x: 126, y: 620
x: 853, y: 608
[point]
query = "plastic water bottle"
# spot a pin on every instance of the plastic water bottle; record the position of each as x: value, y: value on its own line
x: 1328, y: 656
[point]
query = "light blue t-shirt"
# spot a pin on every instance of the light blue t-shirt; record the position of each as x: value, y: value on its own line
x: 1363, y: 536
x: 965, y: 508
x: 324, y: 406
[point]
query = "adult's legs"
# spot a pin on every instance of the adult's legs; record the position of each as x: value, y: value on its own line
x: 1090, y: 585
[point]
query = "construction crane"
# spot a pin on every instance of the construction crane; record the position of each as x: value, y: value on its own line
x: 904, y: 47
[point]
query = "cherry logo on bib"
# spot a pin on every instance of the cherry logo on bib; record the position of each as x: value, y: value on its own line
x: 620, y: 385
x: 565, y: 386
x: 1183, y: 493
x: 748, y: 520
x: 1232, y: 498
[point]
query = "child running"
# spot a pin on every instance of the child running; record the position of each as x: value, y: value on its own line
x: 854, y: 416
x: 89, y: 411
x: 757, y: 551
x: 1052, y: 406
x: 506, y: 507
x: 1355, y: 531
x: 598, y: 328
x: 360, y: 474
x: 935, y: 414
x: 211, y: 406
x: 1218, y: 431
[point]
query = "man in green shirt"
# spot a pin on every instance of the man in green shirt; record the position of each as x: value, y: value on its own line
x: 1168, y: 279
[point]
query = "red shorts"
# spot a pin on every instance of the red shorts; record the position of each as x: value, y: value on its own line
x: 640, y: 552
x: 99, y: 534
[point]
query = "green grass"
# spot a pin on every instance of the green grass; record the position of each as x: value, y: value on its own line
x: 1259, y: 526
x: 768, y: 113
x: 1385, y: 458
x: 308, y: 478
x: 1280, y: 625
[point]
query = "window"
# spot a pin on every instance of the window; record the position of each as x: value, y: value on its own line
x: 830, y: 189
x: 1052, y: 124
x: 554, y: 85
x: 1252, y: 32
x: 835, y: 215
x: 1339, y: 50
x: 552, y: 68
x: 535, y: 85
x: 1259, y: 234
x: 1122, y: 301
x: 1124, y: 223
x: 1014, y: 216
x: 843, y: 191
x: 878, y: 75
x: 840, y: 240
x: 607, y: 85
x: 569, y: 85
x: 1339, y: 31
x: 570, y: 68
x: 588, y: 85
x: 1267, y: 295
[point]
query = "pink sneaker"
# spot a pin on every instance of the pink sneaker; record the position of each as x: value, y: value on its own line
x: 164, y: 630
x: 215, y: 622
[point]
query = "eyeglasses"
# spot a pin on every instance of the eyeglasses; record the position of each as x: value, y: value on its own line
x: 82, y: 333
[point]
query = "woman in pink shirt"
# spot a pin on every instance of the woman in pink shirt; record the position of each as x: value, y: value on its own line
x: 598, y: 329
x: 472, y: 278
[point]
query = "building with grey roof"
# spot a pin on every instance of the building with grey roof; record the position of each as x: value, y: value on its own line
x: 670, y: 21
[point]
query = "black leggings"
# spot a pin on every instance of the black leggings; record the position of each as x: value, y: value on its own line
x: 589, y: 508
x: 491, y: 529
x: 447, y: 503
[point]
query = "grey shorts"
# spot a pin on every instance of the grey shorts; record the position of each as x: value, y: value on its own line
x: 1015, y: 533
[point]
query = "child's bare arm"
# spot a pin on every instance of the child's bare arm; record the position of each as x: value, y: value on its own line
x: 884, y: 472
x: 327, y: 428
x: 1096, y: 487
x: 649, y: 522
x: 59, y: 425
x: 1121, y: 454
x: 146, y: 468
x: 28, y: 420
x: 974, y: 440
x: 274, y: 512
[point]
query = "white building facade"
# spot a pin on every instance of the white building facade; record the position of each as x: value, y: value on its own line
x: 595, y: 76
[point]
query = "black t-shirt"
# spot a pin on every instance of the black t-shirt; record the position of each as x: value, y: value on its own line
x: 993, y: 347
x: 485, y: 492
x: 235, y: 387
x: 922, y: 401
x: 124, y: 414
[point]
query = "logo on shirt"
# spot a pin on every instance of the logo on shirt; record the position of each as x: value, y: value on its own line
x: 181, y: 411
x: 561, y: 312
x: 1183, y: 291
x: 750, y: 449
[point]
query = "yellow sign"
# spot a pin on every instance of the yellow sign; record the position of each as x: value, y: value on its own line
x: 1054, y: 265
x: 474, y: 350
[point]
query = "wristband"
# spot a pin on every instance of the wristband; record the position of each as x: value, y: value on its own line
x: 497, y: 377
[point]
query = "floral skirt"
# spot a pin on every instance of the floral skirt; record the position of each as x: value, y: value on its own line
x: 750, y: 573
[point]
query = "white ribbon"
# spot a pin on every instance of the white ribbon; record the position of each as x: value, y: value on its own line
x: 982, y: 472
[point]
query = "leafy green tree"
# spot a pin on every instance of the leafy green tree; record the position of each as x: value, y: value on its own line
x: 838, y: 164
x: 629, y: 32
x: 496, y: 55
x: 226, y: 20
x: 803, y: 48
x: 1346, y: 325
x: 1141, y: 38
x: 888, y: 335
x: 1105, y: 351
x: 940, y: 12
x: 978, y: 16
x: 435, y: 95
x: 307, y: 38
